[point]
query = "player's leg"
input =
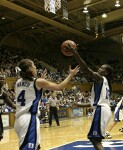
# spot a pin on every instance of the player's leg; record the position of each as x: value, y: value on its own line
x: 95, y: 134
x: 121, y: 119
x: 56, y: 116
x: 101, y: 118
x: 107, y: 134
x: 97, y: 143
x: 50, y: 116
x: 26, y: 129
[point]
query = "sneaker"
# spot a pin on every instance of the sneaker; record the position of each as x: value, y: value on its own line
x: 1, y: 137
x: 108, y: 136
x: 121, y: 129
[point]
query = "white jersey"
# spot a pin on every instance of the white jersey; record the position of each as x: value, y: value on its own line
x: 27, y: 125
x: 100, y: 93
x: 119, y: 111
x: 102, y: 112
x: 27, y: 97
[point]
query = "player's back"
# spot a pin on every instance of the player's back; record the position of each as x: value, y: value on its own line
x: 27, y: 97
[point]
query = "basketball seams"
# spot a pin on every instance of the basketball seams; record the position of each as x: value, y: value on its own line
x: 65, y: 51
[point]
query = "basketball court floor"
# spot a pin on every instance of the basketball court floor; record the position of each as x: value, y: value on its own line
x: 70, y: 135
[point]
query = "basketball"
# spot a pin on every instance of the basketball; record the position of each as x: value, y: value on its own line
x: 65, y: 51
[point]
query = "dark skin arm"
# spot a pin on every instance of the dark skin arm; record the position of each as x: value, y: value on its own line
x: 8, y: 101
x: 95, y: 75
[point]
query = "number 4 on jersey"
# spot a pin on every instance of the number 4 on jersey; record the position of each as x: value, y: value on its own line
x: 21, y: 98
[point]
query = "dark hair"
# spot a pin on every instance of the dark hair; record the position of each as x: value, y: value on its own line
x: 109, y: 76
x: 110, y: 71
x: 25, y: 73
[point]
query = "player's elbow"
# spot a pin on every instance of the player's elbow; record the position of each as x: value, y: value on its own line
x: 59, y: 87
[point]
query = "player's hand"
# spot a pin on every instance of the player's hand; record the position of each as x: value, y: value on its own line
x: 74, y: 71
x: 70, y: 48
x: 44, y: 74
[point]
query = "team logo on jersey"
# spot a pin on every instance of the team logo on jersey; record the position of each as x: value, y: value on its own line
x: 30, y: 145
x: 86, y: 145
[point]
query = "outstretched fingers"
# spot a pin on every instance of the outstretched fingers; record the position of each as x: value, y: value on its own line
x: 68, y: 47
x: 44, y: 74
x: 76, y: 69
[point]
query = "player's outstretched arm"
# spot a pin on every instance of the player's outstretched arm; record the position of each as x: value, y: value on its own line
x: 83, y: 65
x: 42, y: 83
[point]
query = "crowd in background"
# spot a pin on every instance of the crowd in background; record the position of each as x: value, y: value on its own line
x: 9, y: 59
x: 66, y: 98
x: 69, y: 96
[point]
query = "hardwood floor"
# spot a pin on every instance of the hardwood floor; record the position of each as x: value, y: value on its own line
x: 69, y: 130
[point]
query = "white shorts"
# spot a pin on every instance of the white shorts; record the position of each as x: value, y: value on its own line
x: 118, y: 115
x: 102, y: 116
x: 27, y: 127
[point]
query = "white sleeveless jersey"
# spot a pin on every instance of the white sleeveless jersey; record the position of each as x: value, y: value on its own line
x: 100, y: 93
x: 27, y: 97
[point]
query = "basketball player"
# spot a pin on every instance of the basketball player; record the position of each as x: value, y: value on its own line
x: 117, y: 118
x: 99, y: 98
x: 4, y: 98
x: 28, y: 92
